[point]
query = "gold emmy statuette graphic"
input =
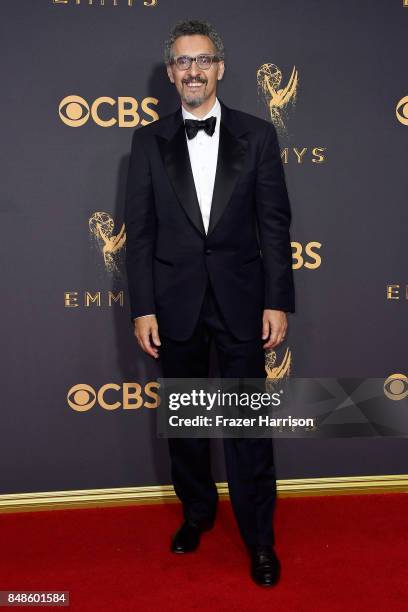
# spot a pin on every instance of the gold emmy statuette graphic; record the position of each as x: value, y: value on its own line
x: 396, y: 387
x: 275, y: 97
x: 277, y: 372
x: 101, y: 226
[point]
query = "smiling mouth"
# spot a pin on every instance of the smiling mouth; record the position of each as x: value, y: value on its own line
x: 193, y: 85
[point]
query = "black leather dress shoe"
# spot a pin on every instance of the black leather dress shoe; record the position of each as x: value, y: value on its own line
x: 265, y: 566
x: 187, y: 537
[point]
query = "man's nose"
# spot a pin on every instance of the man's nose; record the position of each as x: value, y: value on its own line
x: 194, y: 69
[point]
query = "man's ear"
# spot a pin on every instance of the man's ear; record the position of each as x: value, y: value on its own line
x: 221, y: 70
x: 170, y: 74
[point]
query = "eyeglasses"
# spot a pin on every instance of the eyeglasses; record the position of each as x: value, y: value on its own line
x: 203, y: 61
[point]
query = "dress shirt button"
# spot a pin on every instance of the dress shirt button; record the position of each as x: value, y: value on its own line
x: 208, y: 251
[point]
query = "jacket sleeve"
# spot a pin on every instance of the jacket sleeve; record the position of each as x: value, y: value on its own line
x: 273, y: 218
x: 140, y: 224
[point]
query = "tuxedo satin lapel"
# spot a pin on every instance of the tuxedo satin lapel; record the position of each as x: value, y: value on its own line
x: 176, y: 160
x: 230, y: 162
x: 232, y: 150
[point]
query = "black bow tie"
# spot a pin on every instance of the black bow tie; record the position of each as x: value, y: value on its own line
x: 193, y: 125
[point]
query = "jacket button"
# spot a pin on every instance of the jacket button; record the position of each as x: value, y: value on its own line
x: 208, y: 251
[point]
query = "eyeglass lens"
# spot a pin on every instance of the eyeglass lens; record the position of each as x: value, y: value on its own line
x: 203, y: 61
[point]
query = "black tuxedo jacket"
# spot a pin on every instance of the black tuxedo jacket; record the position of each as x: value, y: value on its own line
x: 246, y: 253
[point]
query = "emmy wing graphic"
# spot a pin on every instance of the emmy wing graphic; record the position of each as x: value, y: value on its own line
x: 275, y: 97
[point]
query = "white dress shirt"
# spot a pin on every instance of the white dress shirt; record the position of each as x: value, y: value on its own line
x: 203, y: 152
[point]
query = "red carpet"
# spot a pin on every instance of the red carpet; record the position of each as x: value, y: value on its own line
x: 345, y: 553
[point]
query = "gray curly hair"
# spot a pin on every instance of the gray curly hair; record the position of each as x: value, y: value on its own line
x: 193, y: 26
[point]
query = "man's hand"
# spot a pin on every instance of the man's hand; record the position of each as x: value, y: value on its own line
x: 144, y: 327
x: 274, y: 326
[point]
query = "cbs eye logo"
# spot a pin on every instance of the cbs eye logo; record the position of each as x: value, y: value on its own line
x: 75, y: 111
x: 396, y: 387
x: 402, y: 111
x: 129, y: 396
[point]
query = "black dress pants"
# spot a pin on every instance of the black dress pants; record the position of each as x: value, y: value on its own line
x: 249, y: 462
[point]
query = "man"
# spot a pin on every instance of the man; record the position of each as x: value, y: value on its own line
x: 209, y: 257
